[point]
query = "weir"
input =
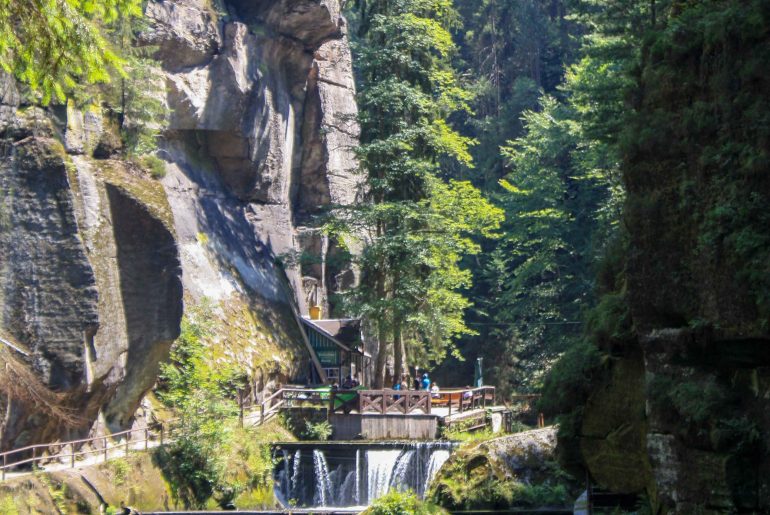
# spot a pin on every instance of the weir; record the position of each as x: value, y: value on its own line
x: 346, y: 474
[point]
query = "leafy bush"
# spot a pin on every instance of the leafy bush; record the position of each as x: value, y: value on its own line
x: 403, y: 503
x: 120, y: 470
x: 8, y: 505
x: 154, y: 165
x: 318, y: 430
x: 203, y: 396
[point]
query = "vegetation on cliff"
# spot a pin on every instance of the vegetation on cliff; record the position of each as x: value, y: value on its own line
x: 514, y: 471
x: 212, y: 457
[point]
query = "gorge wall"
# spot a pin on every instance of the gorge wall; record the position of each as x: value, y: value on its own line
x: 678, y: 410
x: 99, y: 261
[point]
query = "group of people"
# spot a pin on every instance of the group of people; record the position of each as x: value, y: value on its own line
x: 420, y: 383
x: 423, y: 383
x: 349, y: 383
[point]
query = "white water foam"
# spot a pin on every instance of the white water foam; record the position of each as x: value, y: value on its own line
x: 380, y: 465
x: 323, y: 490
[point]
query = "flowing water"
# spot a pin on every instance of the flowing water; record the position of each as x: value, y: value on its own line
x: 355, y: 474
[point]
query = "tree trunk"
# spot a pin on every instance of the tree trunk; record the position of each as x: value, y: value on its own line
x: 382, y: 357
x: 398, y: 352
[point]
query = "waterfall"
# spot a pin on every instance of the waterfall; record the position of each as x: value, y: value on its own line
x: 437, y: 459
x: 357, y: 496
x: 347, y: 496
x: 399, y: 479
x: 356, y: 474
x: 380, y: 466
x: 286, y: 479
x: 323, y: 485
x: 295, y: 474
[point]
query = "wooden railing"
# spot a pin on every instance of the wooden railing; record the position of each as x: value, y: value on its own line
x: 98, y: 445
x: 385, y: 401
x: 287, y: 398
x: 393, y: 401
x: 461, y: 400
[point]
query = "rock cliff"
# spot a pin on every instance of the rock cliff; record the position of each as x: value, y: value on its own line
x: 680, y: 410
x: 98, y: 259
x: 512, y: 471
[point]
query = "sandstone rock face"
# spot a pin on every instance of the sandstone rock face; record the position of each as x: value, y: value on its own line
x: 95, y: 304
x: 267, y: 126
x: 97, y: 259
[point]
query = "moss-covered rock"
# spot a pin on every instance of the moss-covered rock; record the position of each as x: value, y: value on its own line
x: 134, y: 481
x: 517, y: 470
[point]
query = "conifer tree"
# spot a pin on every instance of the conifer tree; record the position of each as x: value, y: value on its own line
x: 55, y: 45
x: 417, y: 223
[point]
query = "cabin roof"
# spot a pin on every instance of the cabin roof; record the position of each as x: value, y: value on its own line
x: 345, y: 332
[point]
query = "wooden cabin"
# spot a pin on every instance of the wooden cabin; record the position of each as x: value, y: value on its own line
x: 339, y: 347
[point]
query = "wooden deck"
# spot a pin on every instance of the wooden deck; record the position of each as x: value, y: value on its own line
x: 384, y: 402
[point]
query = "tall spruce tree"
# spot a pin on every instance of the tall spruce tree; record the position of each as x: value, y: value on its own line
x: 417, y: 223
x: 55, y: 45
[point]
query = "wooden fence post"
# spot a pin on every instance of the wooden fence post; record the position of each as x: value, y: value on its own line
x: 105, y: 448
x: 5, y: 464
x: 161, y: 434
x: 128, y: 438
x: 72, y: 456
x: 146, y: 438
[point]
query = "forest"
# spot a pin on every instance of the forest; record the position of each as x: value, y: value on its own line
x: 570, y: 192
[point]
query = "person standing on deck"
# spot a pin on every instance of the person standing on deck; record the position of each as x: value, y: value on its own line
x: 425, y: 382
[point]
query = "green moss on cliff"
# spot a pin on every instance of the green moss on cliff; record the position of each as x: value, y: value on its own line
x: 138, y: 186
x: 511, y: 471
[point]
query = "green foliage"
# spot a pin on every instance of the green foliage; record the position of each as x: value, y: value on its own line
x: 460, y: 433
x: 57, y: 491
x: 402, y: 503
x: 8, y: 505
x: 417, y: 224
x: 318, y: 430
x: 202, y: 394
x: 54, y: 45
x: 136, y: 97
x: 458, y: 489
x: 120, y: 469
x: 190, y: 375
x: 569, y: 382
x: 539, y: 278
x: 195, y: 463
x: 154, y: 165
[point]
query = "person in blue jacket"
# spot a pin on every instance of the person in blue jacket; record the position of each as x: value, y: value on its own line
x: 425, y: 382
